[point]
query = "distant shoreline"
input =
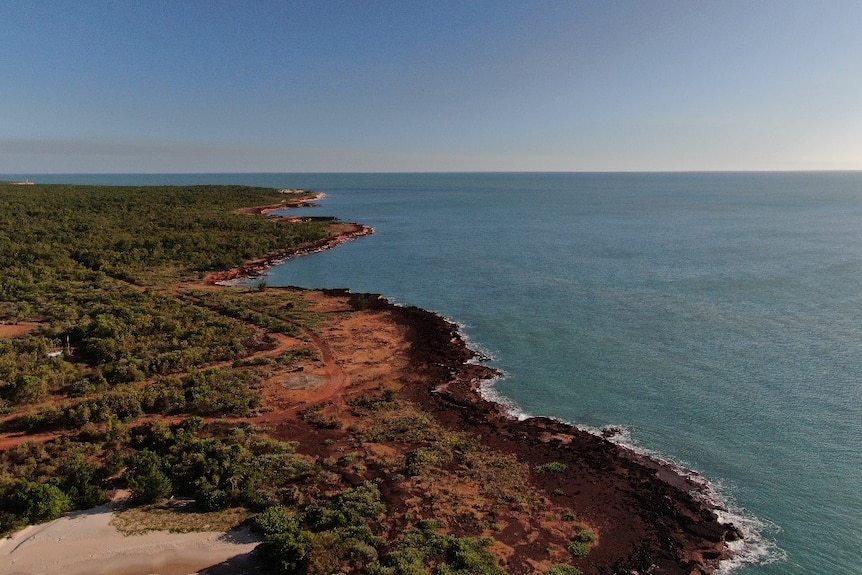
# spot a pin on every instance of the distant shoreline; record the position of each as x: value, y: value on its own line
x: 344, y: 232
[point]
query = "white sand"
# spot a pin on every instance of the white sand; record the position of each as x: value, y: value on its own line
x: 84, y: 543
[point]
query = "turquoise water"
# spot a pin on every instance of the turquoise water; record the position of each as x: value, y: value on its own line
x: 716, y: 317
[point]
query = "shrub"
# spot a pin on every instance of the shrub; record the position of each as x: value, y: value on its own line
x: 582, y: 543
x: 470, y: 556
x: 354, y: 506
x: 273, y: 520
x: 286, y: 553
x: 286, y: 546
x: 26, y: 501
x: 552, y: 467
x: 561, y: 569
x: 145, y: 477
x: 315, y: 417
x: 424, y: 457
x: 423, y: 545
x: 406, y: 427
x: 210, y: 498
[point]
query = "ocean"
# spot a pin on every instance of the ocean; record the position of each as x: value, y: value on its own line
x: 716, y: 318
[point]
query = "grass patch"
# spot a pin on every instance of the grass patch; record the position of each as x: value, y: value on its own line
x: 177, y: 518
x: 562, y: 569
x: 406, y: 426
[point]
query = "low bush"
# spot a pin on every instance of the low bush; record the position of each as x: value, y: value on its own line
x: 552, y: 467
x: 562, y: 569
x: 583, y: 542
x: 423, y: 546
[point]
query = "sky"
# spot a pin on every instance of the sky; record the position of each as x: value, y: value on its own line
x: 416, y: 86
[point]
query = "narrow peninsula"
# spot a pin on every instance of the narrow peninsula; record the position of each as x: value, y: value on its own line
x: 316, y: 431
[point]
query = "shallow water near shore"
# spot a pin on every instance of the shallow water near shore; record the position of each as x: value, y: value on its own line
x: 716, y: 318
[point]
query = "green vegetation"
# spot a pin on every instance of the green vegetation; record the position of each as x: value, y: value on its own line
x: 336, y: 536
x: 219, y: 467
x: 73, y: 259
x: 328, y: 535
x: 136, y: 379
x: 552, y: 467
x: 423, y: 546
x: 23, y: 501
x: 315, y: 416
x: 109, y: 341
x: 583, y: 543
x: 139, y: 234
x: 276, y: 312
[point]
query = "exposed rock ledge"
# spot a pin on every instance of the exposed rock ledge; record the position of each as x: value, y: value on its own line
x: 655, y: 518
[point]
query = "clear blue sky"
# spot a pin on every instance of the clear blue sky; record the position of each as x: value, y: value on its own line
x: 212, y: 86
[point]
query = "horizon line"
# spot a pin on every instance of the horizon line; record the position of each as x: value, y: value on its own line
x: 443, y: 172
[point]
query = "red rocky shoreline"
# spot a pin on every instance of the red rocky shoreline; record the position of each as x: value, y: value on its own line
x: 259, y: 267
x: 654, y: 518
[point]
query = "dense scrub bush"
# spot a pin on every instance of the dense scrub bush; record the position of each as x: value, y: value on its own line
x: 237, y: 468
x: 67, y: 464
x: 353, y: 506
x: 286, y: 546
x: 23, y: 501
x: 146, y: 478
x: 423, y: 546
x: 329, y: 535
x: 216, y: 392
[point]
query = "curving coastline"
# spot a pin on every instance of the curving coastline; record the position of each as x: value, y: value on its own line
x: 343, y: 232
x: 258, y: 267
x: 653, y: 517
x: 482, y: 474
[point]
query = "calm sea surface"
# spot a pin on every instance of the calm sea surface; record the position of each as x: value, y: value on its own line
x: 715, y: 317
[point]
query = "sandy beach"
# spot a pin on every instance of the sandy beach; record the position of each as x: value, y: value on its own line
x: 85, y: 543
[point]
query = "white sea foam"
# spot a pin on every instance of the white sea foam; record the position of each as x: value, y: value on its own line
x: 757, y: 545
x: 483, y: 354
x: 489, y: 392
